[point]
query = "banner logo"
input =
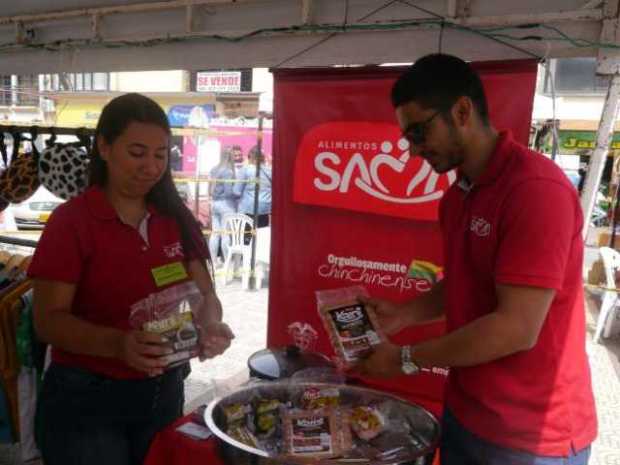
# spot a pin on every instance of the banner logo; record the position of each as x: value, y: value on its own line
x: 422, y: 269
x: 366, y: 167
x: 374, y: 273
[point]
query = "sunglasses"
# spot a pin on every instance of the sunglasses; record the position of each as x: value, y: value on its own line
x: 416, y: 132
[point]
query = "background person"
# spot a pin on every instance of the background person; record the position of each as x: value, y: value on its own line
x: 108, y: 389
x: 223, y: 201
x: 245, y: 191
x: 519, y: 389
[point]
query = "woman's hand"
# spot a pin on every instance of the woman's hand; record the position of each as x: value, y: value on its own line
x: 144, y: 351
x: 214, y: 338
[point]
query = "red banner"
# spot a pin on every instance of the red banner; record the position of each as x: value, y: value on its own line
x: 352, y: 207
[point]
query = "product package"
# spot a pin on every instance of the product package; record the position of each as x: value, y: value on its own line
x: 169, y: 313
x: 352, y: 327
x: 316, y: 433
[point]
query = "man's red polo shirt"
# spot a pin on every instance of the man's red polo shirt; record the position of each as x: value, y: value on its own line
x: 520, y: 224
x: 85, y: 243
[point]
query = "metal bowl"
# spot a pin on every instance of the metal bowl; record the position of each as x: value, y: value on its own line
x: 411, y: 433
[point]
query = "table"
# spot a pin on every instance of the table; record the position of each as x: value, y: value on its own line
x: 173, y: 448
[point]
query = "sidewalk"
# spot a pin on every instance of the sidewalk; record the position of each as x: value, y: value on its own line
x: 246, y: 314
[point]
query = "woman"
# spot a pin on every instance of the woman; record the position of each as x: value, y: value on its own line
x: 223, y: 201
x: 108, y: 389
x: 245, y: 189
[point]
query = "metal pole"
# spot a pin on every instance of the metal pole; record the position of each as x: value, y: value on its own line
x: 259, y: 155
x: 603, y: 140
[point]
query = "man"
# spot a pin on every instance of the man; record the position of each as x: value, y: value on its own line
x: 237, y: 154
x: 519, y: 389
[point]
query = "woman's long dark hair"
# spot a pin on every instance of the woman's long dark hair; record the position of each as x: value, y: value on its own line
x: 114, y: 120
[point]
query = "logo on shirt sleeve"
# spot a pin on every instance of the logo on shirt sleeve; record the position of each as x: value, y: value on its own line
x: 174, y: 250
x: 480, y: 226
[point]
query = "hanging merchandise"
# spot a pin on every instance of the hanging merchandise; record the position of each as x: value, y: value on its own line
x: 63, y: 170
x: 20, y: 180
x: 3, y: 204
x: 20, y: 370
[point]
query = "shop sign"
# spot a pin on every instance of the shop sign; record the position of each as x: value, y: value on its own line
x: 229, y: 81
x: 366, y: 167
x: 195, y: 116
x: 580, y: 140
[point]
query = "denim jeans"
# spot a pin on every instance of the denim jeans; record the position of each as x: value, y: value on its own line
x: 219, y: 208
x: 87, y: 419
x: 461, y: 447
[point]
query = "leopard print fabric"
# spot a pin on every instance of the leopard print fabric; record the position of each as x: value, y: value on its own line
x: 20, y: 180
x: 63, y: 170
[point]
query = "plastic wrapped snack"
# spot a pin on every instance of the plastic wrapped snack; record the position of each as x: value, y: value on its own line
x: 266, y: 417
x: 314, y: 398
x: 367, y: 422
x: 237, y: 414
x: 352, y: 327
x: 169, y: 313
x: 243, y: 435
x: 314, y: 434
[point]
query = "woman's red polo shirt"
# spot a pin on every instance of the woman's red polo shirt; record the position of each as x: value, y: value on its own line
x: 85, y: 243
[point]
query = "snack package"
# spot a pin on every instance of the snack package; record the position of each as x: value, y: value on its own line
x: 352, y: 327
x: 237, y: 415
x: 314, y: 398
x: 243, y: 435
x: 169, y: 313
x: 367, y: 422
x: 266, y: 417
x: 316, y: 433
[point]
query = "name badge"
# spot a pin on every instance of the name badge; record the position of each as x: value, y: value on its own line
x: 170, y: 273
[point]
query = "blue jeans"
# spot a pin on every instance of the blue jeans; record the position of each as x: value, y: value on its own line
x: 461, y: 447
x: 219, y: 208
x: 87, y: 419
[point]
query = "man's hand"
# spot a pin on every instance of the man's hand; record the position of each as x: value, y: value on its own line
x: 392, y: 317
x: 214, y: 338
x: 383, y: 362
x: 144, y: 351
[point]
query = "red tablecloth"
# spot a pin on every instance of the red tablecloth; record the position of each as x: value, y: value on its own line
x: 173, y: 448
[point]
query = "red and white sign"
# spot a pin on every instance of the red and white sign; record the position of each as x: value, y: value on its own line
x: 229, y: 81
x: 351, y: 207
x: 366, y: 166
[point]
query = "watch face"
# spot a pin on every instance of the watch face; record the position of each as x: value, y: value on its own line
x: 409, y: 368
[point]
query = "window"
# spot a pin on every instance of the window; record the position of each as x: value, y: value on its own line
x: 76, y: 82
x: 577, y: 76
x: 5, y: 90
x: 28, y: 90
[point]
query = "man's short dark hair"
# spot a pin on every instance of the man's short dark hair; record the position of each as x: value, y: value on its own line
x: 437, y: 81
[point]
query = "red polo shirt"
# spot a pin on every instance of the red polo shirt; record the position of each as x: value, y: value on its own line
x: 520, y: 224
x: 85, y: 243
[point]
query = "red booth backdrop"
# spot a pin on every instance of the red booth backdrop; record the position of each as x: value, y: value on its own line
x: 352, y: 207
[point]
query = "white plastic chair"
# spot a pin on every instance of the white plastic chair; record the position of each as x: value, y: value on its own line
x: 235, y: 225
x: 611, y: 262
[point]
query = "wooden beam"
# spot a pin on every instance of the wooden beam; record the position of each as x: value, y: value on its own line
x: 307, y: 11
x: 599, y: 157
x: 542, y: 18
x: 452, y: 8
x: 110, y: 10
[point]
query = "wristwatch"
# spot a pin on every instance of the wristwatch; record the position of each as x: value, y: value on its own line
x: 407, y: 365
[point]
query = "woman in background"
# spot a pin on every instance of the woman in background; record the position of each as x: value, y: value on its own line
x: 245, y: 189
x: 222, y: 202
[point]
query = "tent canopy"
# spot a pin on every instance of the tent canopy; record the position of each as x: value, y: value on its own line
x: 108, y: 35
